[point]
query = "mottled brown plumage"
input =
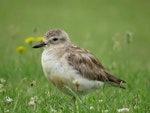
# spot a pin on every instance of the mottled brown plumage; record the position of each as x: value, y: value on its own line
x: 89, y: 66
x: 67, y: 65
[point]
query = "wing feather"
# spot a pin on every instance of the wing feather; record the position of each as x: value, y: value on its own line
x: 88, y: 66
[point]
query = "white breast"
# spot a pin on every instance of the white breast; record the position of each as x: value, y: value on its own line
x: 63, y: 75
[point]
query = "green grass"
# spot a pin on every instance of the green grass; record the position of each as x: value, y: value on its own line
x: 94, y: 25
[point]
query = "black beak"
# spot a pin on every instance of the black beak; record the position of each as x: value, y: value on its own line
x: 42, y: 44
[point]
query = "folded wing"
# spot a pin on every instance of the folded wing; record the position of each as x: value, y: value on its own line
x: 88, y: 66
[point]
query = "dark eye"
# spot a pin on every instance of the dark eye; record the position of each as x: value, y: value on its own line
x: 55, y: 39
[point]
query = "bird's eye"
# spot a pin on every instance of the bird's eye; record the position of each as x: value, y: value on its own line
x: 55, y: 39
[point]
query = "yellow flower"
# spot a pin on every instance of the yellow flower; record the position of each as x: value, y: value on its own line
x: 20, y: 49
x: 29, y: 40
x: 40, y: 39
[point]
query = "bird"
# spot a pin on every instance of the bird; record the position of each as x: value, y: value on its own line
x: 72, y: 69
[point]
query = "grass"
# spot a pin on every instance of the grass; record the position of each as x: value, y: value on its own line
x: 100, y: 26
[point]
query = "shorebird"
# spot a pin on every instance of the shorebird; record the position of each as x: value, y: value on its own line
x: 69, y: 67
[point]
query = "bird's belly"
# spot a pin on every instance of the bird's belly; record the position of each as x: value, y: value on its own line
x: 65, y: 78
x: 58, y: 72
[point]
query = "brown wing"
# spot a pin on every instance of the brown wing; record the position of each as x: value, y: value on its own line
x: 89, y: 66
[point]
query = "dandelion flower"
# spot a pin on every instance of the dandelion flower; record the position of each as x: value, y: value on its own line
x: 100, y: 101
x: 123, y: 110
x: 33, y: 101
x: 8, y: 99
x: 40, y: 39
x: 29, y: 40
x: 91, y: 107
x: 20, y: 49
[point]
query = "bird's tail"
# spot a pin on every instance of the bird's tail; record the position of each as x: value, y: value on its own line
x: 114, y: 81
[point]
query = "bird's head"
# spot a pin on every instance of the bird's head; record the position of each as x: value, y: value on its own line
x: 54, y: 38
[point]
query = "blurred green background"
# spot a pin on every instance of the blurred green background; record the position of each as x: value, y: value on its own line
x: 96, y: 25
x: 94, y: 22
